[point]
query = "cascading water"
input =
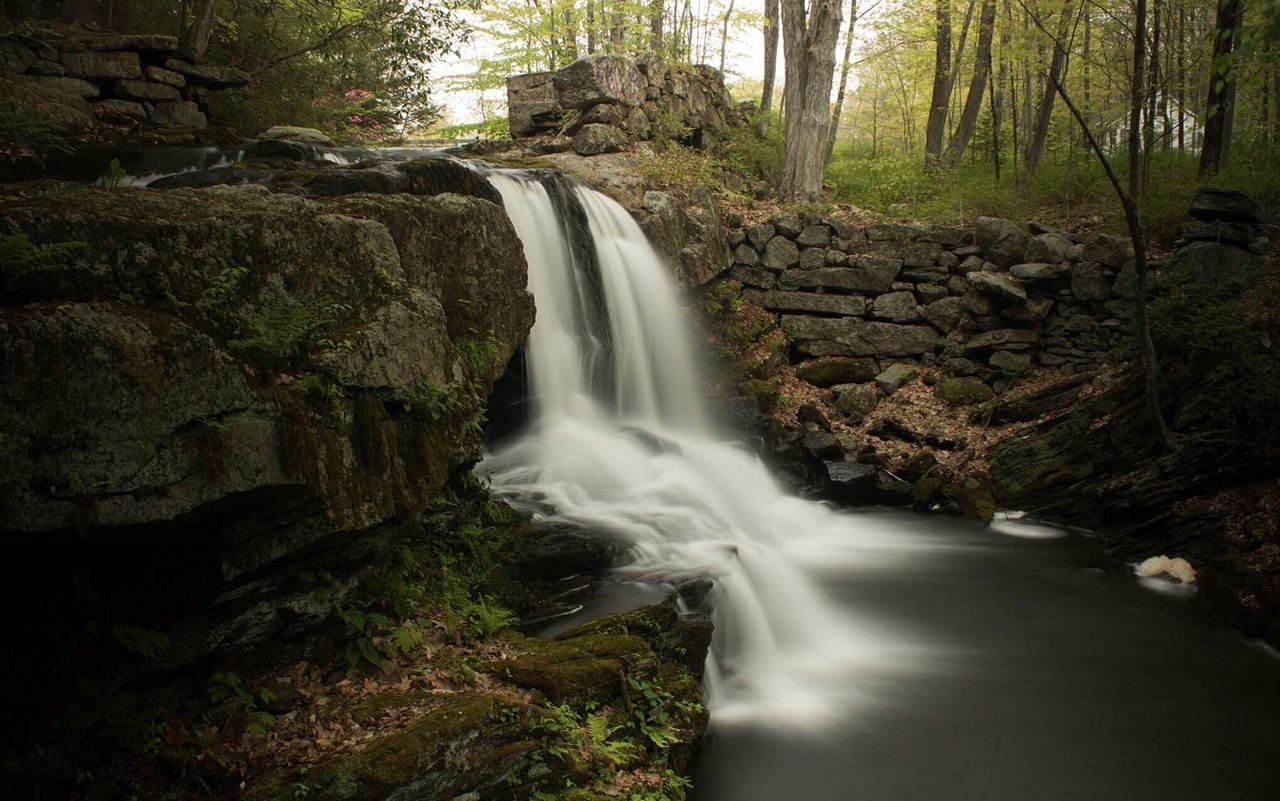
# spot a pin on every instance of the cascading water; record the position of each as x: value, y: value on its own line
x: 620, y: 443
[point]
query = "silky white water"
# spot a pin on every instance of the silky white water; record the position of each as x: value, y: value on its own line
x: 620, y: 444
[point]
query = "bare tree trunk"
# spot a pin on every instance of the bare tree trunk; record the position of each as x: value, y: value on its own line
x: 1151, y: 368
x: 1275, y: 89
x: 1044, y: 109
x: 1221, y: 84
x: 655, y: 26
x: 977, y: 87
x: 570, y: 34
x: 936, y: 125
x: 1233, y: 85
x: 615, y: 29
x: 995, y: 119
x: 724, y: 34
x: 844, y: 80
x: 591, y: 26
x: 1182, y: 76
x: 1136, y: 88
x: 770, y: 60
x: 809, y: 44
x: 958, y: 55
x: 1152, y: 92
x: 195, y: 39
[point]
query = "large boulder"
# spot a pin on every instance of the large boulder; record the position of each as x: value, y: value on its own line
x: 599, y: 79
x: 317, y: 361
x: 532, y: 104
x: 597, y: 138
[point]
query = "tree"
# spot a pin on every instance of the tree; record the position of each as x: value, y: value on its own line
x: 1044, y: 109
x: 770, y: 60
x: 1222, y: 80
x: 936, y: 126
x: 195, y: 37
x: 809, y: 44
x: 977, y: 87
x: 844, y: 80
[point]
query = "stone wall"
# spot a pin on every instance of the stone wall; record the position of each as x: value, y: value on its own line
x: 127, y: 79
x: 600, y: 103
x: 988, y: 301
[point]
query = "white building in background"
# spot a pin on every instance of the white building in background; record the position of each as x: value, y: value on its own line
x: 1115, y: 136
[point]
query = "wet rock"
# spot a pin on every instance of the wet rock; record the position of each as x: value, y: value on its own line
x: 559, y: 551
x: 973, y: 497
x: 849, y: 481
x: 821, y: 445
x: 918, y: 465
x: 838, y: 370
x: 293, y: 133
x: 686, y: 643
x: 891, y: 490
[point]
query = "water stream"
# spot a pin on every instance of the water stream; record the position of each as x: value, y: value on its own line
x: 858, y: 655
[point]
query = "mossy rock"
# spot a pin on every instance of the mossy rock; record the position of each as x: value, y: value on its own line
x: 839, y: 370
x: 765, y: 392
x: 962, y: 391
x: 973, y: 497
x: 647, y: 622
x: 374, y: 707
x: 586, y: 668
x: 468, y: 743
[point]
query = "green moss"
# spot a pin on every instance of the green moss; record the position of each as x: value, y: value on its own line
x: 648, y: 622
x: 583, y: 669
x: 766, y: 392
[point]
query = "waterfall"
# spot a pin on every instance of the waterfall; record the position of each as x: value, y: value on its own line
x: 620, y: 444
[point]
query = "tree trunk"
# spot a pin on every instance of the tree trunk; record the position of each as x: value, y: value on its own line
x: 1216, y: 129
x: 1275, y: 89
x: 958, y: 55
x: 977, y: 87
x: 1136, y: 87
x: 615, y: 29
x: 195, y: 38
x: 844, y: 80
x: 570, y: 34
x: 770, y: 61
x: 1152, y: 92
x: 1044, y: 109
x: 591, y: 26
x: 724, y: 34
x: 809, y: 45
x: 1151, y: 368
x: 936, y: 125
x: 655, y: 26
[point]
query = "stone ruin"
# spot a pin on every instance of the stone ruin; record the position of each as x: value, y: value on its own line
x: 127, y: 79
x: 600, y: 104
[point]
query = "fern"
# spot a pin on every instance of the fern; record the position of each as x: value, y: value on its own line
x: 21, y: 259
x: 289, y: 326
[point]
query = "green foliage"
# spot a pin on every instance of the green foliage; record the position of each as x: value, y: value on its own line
x: 753, y: 156
x: 22, y: 261
x: 222, y: 288
x: 1217, y: 339
x: 23, y: 128
x: 290, y: 326
x: 228, y: 690
x: 658, y: 713
x: 115, y: 175
x: 152, y: 646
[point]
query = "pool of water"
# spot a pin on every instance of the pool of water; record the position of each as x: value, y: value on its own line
x: 1049, y: 672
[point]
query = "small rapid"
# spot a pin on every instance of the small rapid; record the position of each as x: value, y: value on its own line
x: 620, y: 443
